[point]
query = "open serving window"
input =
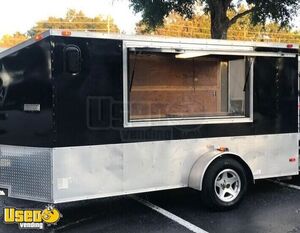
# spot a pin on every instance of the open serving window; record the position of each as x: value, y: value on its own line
x: 165, y: 87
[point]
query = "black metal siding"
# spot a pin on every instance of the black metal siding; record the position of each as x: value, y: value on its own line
x: 87, y: 109
x: 90, y: 105
x: 28, y: 81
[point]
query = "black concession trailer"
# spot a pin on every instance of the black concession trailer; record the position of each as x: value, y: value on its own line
x: 85, y: 115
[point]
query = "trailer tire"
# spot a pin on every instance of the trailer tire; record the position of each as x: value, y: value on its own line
x: 225, y: 184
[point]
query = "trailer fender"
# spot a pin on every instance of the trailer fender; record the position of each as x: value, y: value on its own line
x: 201, y: 165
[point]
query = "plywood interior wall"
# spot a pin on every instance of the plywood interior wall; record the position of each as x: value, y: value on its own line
x: 163, y: 86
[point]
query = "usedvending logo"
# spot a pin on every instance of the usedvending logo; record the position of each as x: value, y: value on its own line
x: 32, y: 218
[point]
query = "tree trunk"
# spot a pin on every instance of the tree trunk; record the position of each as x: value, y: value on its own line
x: 220, y: 23
x: 219, y: 30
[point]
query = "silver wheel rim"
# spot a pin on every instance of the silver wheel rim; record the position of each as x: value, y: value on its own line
x: 227, y: 185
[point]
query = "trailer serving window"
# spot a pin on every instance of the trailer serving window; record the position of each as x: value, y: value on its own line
x: 175, y: 88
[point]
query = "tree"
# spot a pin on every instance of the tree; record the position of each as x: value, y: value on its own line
x: 199, y: 27
x: 176, y: 25
x: 260, y: 11
x: 11, y: 40
x: 76, y: 20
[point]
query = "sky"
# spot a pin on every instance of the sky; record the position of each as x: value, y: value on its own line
x: 21, y: 15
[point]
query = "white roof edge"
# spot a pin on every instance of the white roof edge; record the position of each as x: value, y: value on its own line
x: 160, y: 39
x: 167, y: 39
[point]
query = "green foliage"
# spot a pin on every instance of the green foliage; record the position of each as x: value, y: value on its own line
x: 261, y: 12
x: 199, y: 27
x: 10, y: 40
x: 278, y: 11
x: 154, y: 11
x: 75, y: 20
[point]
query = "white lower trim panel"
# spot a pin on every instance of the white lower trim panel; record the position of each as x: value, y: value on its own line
x: 109, y: 170
x: 87, y: 172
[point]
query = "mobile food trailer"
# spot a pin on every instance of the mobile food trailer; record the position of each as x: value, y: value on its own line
x: 86, y: 115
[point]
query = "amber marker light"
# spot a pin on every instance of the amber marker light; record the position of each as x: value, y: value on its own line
x: 38, y: 37
x: 66, y: 33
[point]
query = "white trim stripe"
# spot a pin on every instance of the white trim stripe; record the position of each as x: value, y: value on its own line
x: 169, y: 215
